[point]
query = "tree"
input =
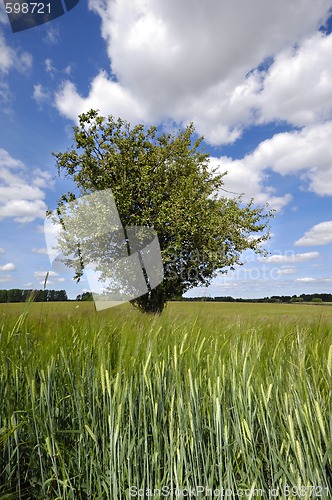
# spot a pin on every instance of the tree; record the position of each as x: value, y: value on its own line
x: 62, y: 296
x: 163, y: 181
x: 3, y: 296
x: 296, y: 299
x: 85, y: 297
x: 14, y: 295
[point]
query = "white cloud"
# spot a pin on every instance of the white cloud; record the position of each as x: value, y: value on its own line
x: 23, y: 210
x: 306, y: 153
x: 25, y: 61
x: 287, y: 270
x: 8, y: 267
x: 42, y: 179
x: 20, y: 190
x: 6, y: 278
x: 52, y: 35
x: 2, y: 251
x: 40, y: 95
x: 284, y: 94
x: 5, y: 95
x: 49, y: 67
x: 49, y: 282
x: 320, y: 234
x: 117, y: 100
x: 52, y: 70
x: 198, y: 67
x: 42, y: 274
x: 42, y: 251
x: 289, y: 257
x: 8, y: 161
x: 52, y: 279
x: 306, y: 280
x: 7, y: 55
x: 247, y: 177
x: 296, y: 151
x: 11, y: 58
x: 3, y: 15
x: 314, y: 280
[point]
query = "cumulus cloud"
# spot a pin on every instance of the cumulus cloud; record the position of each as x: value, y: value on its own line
x: 42, y: 274
x: 40, y: 94
x: 42, y: 251
x: 287, y: 270
x: 23, y: 210
x: 52, y: 279
x: 290, y: 257
x: 7, y: 55
x: 247, y: 177
x: 117, y: 100
x: 279, y: 93
x: 306, y: 153
x: 284, y: 94
x: 5, y: 278
x: 52, y: 35
x: 320, y: 234
x: 8, y: 267
x: 314, y: 280
x: 205, y: 66
x: 21, y: 196
x: 5, y: 94
x: 3, y: 15
x: 24, y: 62
x: 11, y: 58
x: 49, y: 67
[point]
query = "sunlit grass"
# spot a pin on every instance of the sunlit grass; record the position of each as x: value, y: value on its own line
x: 215, y: 395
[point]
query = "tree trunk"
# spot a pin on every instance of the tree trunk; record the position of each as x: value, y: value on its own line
x: 152, y: 302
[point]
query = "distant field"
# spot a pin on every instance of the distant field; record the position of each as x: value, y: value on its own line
x: 118, y: 404
x: 202, y: 310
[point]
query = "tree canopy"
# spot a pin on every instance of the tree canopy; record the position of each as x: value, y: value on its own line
x: 163, y: 181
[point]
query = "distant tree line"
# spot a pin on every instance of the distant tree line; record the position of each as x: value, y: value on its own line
x: 86, y: 296
x: 316, y: 298
x: 17, y: 295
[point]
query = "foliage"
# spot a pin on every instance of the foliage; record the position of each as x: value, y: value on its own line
x: 296, y: 299
x: 85, y: 296
x: 92, y: 405
x: 163, y: 181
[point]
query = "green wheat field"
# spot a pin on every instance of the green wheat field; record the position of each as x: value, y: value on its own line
x: 206, y: 400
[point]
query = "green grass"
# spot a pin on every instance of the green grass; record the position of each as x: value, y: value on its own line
x: 206, y: 395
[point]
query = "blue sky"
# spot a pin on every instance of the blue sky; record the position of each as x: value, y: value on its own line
x: 255, y: 78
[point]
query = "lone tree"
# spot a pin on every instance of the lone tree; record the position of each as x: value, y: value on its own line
x: 163, y: 181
